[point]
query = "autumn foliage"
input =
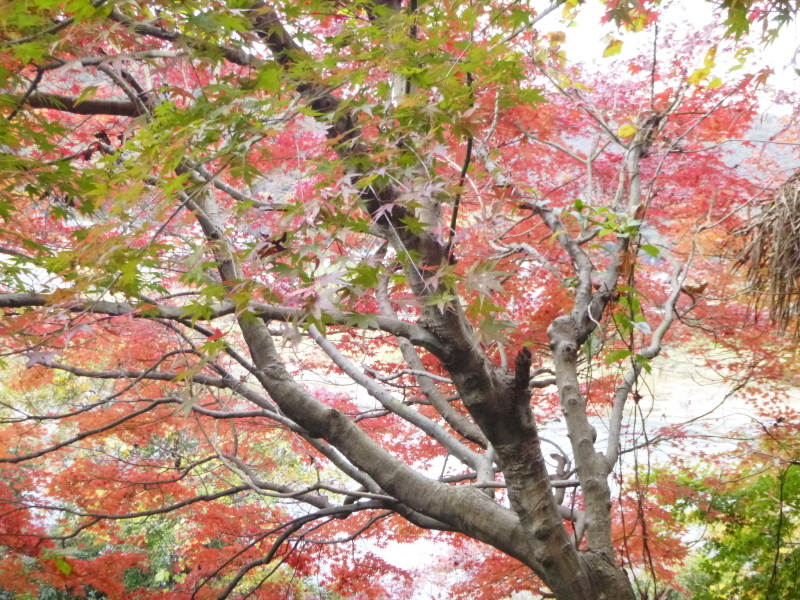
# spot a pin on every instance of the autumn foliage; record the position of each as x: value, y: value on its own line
x: 295, y: 290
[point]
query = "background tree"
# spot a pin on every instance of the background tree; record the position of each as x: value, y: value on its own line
x: 746, y: 513
x: 312, y: 271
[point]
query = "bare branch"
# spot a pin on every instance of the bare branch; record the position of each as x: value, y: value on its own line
x: 401, y: 372
x: 632, y: 374
x: 434, y: 430
x: 305, y: 495
x: 557, y: 146
x: 50, y: 30
x: 226, y: 382
x: 134, y: 515
x: 95, y: 61
x: 290, y: 529
x: 89, y: 432
x: 523, y: 28
x: 233, y: 55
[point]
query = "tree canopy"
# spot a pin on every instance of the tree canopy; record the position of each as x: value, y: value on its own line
x: 288, y: 284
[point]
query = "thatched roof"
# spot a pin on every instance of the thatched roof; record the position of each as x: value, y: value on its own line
x: 772, y: 255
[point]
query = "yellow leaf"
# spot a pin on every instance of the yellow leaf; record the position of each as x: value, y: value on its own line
x: 698, y: 76
x: 715, y: 83
x: 614, y: 47
x: 711, y: 55
x: 638, y: 23
x: 627, y: 131
x: 161, y: 576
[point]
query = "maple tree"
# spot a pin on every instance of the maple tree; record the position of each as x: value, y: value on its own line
x: 283, y: 276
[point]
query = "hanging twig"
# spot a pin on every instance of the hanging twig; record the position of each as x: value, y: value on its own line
x: 31, y: 88
x: 463, y: 178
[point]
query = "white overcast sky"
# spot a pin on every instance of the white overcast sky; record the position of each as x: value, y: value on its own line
x: 587, y: 39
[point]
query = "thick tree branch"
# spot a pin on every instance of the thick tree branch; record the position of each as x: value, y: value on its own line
x: 566, y: 335
x: 89, y: 106
x: 430, y: 502
x: 94, y: 61
x: 416, y: 334
x: 453, y: 418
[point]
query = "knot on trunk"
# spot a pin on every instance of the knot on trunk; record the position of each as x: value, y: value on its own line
x: 522, y: 369
x: 563, y: 334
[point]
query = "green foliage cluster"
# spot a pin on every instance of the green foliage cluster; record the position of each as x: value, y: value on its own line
x: 750, y: 527
x: 740, y: 15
